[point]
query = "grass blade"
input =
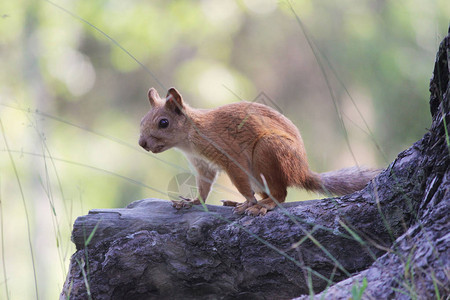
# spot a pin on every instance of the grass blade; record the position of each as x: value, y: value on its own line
x: 2, y: 129
x: 3, y: 247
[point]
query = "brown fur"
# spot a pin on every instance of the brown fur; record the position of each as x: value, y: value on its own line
x: 260, y: 149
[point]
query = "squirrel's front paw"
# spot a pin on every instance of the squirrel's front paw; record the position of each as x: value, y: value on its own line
x: 185, y: 202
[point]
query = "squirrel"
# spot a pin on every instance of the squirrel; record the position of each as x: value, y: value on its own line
x: 259, y: 148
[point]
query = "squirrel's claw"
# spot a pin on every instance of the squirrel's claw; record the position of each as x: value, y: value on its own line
x: 177, y: 204
x: 185, y: 202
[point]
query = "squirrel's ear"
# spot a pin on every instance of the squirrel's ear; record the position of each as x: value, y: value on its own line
x: 153, y: 96
x: 174, y: 101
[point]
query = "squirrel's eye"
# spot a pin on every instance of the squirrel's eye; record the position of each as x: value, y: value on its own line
x: 163, y: 123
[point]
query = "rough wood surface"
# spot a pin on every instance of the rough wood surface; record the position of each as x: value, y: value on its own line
x: 395, y: 233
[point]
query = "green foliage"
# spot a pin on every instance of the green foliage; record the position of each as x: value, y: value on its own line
x: 358, y: 291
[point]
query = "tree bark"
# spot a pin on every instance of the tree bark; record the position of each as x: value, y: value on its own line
x: 393, y: 235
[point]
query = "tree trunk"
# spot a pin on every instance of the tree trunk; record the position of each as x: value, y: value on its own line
x: 390, y: 240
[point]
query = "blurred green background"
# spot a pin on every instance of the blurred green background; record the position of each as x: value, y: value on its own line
x: 71, y: 100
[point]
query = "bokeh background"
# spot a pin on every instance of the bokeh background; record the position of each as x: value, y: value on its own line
x: 74, y: 77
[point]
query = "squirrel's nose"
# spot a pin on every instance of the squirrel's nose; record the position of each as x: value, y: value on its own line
x: 143, y: 143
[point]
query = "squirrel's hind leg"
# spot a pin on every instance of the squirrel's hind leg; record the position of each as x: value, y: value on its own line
x: 241, y: 181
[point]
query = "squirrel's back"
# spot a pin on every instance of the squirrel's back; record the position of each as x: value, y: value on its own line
x: 243, y: 121
x: 258, y: 116
x: 269, y: 141
x: 237, y: 127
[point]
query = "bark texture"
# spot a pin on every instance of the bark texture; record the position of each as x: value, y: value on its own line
x: 394, y: 234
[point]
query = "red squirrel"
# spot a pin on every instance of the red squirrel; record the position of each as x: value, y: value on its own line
x: 260, y: 149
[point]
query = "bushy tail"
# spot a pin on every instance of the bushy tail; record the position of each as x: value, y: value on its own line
x: 347, y: 180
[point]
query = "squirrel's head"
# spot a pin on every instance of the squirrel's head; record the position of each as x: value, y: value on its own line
x: 165, y: 125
